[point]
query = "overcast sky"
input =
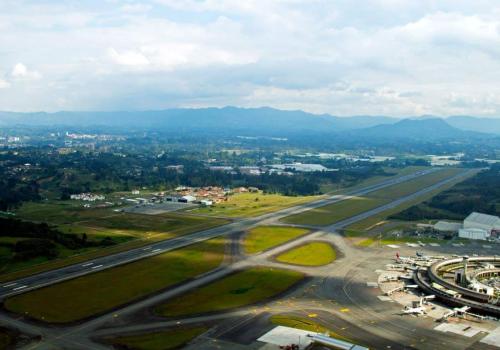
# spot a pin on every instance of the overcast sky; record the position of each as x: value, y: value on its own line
x: 365, y: 57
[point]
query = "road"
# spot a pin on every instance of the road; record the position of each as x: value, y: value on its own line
x: 50, y: 277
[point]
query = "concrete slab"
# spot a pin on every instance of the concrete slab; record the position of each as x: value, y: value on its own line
x: 493, y: 338
x: 385, y: 298
x: 283, y: 336
x: 461, y: 329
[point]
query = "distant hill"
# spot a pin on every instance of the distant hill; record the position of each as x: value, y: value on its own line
x: 261, y: 121
x: 488, y: 125
x: 250, y: 120
x: 416, y: 129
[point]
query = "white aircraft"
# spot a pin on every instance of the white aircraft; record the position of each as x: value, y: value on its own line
x: 419, y: 311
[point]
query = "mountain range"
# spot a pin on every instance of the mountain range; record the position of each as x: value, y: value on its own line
x: 264, y: 121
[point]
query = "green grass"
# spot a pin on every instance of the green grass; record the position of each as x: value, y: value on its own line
x: 240, y: 289
x: 365, y: 227
x: 165, y: 340
x: 253, y: 204
x: 99, y: 292
x: 332, y: 213
x: 127, y: 230
x: 310, y: 254
x: 262, y: 238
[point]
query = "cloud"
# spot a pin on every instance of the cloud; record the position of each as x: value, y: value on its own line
x: 341, y: 57
x: 4, y: 84
x: 21, y: 72
x: 128, y: 58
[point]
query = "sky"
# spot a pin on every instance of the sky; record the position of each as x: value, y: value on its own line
x: 342, y: 57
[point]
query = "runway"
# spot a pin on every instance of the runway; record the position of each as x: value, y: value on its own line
x: 50, y: 277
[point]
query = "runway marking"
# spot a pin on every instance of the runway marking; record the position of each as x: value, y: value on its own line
x: 155, y: 250
x: 344, y: 310
x: 10, y: 285
x: 394, y: 246
x: 96, y: 267
x: 147, y: 248
x: 88, y: 264
x: 372, y: 284
x: 487, y: 246
x: 312, y: 315
x: 434, y: 244
x: 21, y: 287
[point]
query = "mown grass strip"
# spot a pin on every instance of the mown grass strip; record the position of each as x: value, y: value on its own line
x: 310, y: 254
x: 99, y: 292
x: 261, y: 238
x: 332, y: 213
x: 240, y: 289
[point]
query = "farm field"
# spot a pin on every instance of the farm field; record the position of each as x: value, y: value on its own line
x: 253, y: 204
x: 261, y: 238
x: 125, y: 231
x: 99, y: 292
x: 335, y: 212
x: 242, y: 288
x: 310, y: 254
x: 165, y: 340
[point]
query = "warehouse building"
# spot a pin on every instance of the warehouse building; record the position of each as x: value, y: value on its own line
x: 480, y: 226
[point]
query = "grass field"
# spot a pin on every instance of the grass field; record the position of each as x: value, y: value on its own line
x: 365, y: 228
x: 166, y: 340
x: 240, y: 289
x: 335, y: 212
x: 125, y: 229
x: 102, y: 291
x: 253, y: 204
x: 310, y: 254
x: 261, y: 238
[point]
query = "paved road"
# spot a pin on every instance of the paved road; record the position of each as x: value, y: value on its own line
x: 50, y: 277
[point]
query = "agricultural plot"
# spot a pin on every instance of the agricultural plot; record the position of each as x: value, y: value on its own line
x: 240, y: 289
x: 100, y: 292
x: 262, y: 238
